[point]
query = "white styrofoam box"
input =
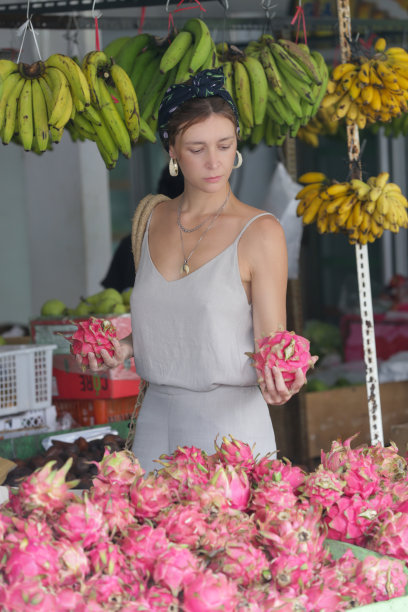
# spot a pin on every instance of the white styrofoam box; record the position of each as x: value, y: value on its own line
x: 25, y: 377
x: 95, y: 433
x: 29, y: 422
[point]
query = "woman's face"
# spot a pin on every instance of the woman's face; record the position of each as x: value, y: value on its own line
x: 206, y: 152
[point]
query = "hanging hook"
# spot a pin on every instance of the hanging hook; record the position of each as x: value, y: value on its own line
x: 224, y: 4
x: 267, y: 5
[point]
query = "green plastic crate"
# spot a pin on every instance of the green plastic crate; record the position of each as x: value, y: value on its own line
x: 397, y: 604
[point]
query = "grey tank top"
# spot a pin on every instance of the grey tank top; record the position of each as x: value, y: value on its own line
x: 193, y: 332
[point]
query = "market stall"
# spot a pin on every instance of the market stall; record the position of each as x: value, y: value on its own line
x: 82, y: 525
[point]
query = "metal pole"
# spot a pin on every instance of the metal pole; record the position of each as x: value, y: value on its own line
x: 363, y: 268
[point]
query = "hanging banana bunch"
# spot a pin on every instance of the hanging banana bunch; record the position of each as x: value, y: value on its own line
x: 37, y: 100
x: 362, y: 210
x: 370, y: 89
x: 321, y: 124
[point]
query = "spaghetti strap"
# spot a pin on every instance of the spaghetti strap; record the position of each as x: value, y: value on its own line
x: 248, y: 223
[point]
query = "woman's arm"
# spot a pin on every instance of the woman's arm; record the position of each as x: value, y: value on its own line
x: 123, y: 350
x: 268, y: 262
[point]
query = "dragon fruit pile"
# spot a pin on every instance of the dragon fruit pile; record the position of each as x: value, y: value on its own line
x: 92, y: 336
x: 228, y: 532
x: 285, y: 350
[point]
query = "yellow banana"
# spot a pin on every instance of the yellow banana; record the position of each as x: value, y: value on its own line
x: 364, y: 74
x: 113, y: 121
x: 334, y: 205
x: 25, y: 116
x: 337, y: 189
x: 380, y: 44
x: 341, y: 69
x: 382, y: 179
x: 360, y: 187
x: 243, y: 99
x: 311, y: 212
x: 78, y: 86
x: 128, y: 99
x: 383, y: 204
x: 40, y: 116
x: 312, y: 177
x: 9, y: 127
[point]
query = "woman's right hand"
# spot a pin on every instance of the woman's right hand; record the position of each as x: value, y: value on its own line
x: 123, y: 349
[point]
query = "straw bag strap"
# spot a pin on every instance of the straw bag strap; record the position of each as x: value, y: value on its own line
x: 139, y: 222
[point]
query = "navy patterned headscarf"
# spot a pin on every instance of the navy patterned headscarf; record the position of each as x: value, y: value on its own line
x: 204, y: 84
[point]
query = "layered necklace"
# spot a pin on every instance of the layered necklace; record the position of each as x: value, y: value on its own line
x: 185, y: 268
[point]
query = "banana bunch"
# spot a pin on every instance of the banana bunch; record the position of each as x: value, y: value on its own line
x: 296, y: 81
x: 362, y: 210
x: 112, y: 119
x: 319, y: 125
x: 37, y: 100
x: 370, y: 89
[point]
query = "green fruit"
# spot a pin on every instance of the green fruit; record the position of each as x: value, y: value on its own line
x: 107, y: 294
x: 316, y: 385
x: 53, y: 308
x: 126, y: 296
x: 119, y: 309
x: 2, y: 341
x: 83, y: 309
x: 342, y: 382
x: 104, y: 306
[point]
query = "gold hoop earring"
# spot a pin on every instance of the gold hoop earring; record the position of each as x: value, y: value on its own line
x: 173, y: 167
x: 239, y: 160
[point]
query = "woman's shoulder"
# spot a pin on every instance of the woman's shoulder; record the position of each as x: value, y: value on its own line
x: 259, y: 221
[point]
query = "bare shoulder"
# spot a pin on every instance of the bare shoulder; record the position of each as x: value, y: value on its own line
x: 266, y: 227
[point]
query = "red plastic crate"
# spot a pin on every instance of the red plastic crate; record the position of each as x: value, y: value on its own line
x: 97, y: 412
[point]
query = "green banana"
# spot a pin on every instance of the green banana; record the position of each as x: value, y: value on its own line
x: 242, y: 89
x: 10, y: 126
x: 130, y: 50
x: 202, y: 42
x: 128, y: 99
x: 141, y: 62
x: 212, y: 59
x: 183, y: 71
x: 61, y: 92
x: 85, y: 127
x: 258, y: 132
x: 292, y: 99
x: 25, y: 116
x: 93, y: 115
x: 300, y: 53
x: 114, y: 122
x: 323, y: 69
x: 286, y: 64
x: 259, y: 87
x: 40, y: 116
x: 148, y: 99
x: 303, y: 90
x: 282, y: 110
x: 146, y: 132
x: 150, y: 74
x: 79, y: 87
x: 7, y: 67
x: 229, y: 78
x: 108, y: 150
x: 176, y: 50
x: 271, y: 70
x: 112, y: 49
x: 54, y: 134
x: 170, y: 81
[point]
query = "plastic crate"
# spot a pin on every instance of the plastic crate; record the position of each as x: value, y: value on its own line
x: 25, y: 378
x: 28, y: 423
x: 97, y: 412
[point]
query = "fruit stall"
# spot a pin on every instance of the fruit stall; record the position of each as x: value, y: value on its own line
x: 321, y: 525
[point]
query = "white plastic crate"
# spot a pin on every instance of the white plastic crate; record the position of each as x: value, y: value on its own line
x: 29, y: 422
x: 25, y: 377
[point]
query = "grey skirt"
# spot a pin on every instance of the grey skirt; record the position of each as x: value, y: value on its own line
x: 172, y: 417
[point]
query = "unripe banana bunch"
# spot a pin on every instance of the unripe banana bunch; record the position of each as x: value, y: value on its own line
x: 296, y: 83
x: 37, y: 100
x: 362, y: 210
x: 370, y: 89
x: 319, y: 125
x: 112, y: 119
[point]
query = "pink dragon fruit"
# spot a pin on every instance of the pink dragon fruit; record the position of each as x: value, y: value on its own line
x: 320, y: 597
x: 360, y: 476
x: 160, y: 598
x: 271, y: 495
x: 184, y: 524
x: 25, y: 596
x: 352, y: 519
x: 143, y: 545
x: 117, y: 470
x: 151, y: 495
x: 32, y: 560
x: 105, y: 589
x: 278, y: 470
x: 234, y: 484
x: 82, y: 522
x: 229, y: 525
x: 44, y: 491
x: 384, y: 577
x: 207, y: 591
x: 187, y: 466
x: 74, y: 562
x: 390, y: 465
x: 236, y: 453
x: 209, y: 497
x: 174, y: 567
x: 284, y: 350
x: 92, y: 336
x: 391, y: 535
x: 292, y: 571
x: 323, y: 487
x: 106, y: 557
x: 116, y: 508
x: 340, y: 452
x: 242, y: 562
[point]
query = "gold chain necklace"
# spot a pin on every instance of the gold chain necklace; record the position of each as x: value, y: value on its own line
x: 185, y: 268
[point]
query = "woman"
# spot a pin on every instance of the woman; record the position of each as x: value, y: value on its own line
x: 212, y: 278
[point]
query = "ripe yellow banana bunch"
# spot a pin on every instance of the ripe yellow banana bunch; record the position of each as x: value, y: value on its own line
x: 362, y: 210
x: 112, y: 119
x: 370, y: 89
x: 37, y: 100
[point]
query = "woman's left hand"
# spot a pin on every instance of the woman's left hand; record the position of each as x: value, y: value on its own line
x: 274, y: 388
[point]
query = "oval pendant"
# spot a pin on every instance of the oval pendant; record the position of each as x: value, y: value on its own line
x: 185, y: 268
